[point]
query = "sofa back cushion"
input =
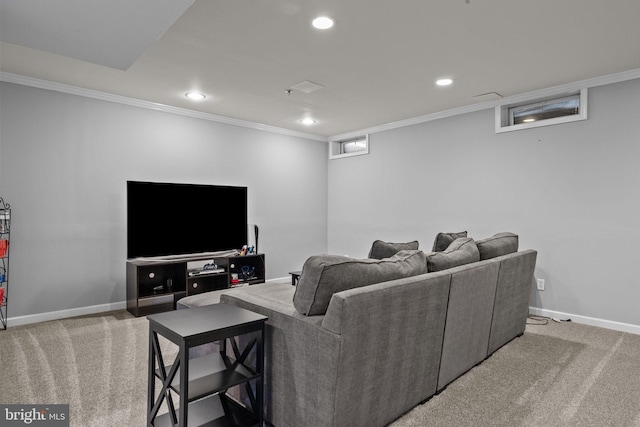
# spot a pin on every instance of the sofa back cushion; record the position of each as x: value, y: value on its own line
x: 497, y: 245
x: 461, y: 251
x: 381, y: 249
x: 443, y: 240
x: 324, y: 275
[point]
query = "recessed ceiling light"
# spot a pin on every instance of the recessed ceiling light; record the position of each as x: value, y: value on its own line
x: 195, y: 96
x: 322, y: 22
x: 444, y: 82
x: 307, y: 121
x: 529, y: 120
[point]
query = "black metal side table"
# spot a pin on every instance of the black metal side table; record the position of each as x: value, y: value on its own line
x: 295, y: 276
x: 202, y: 384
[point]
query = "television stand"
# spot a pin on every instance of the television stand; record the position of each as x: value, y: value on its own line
x: 155, y: 285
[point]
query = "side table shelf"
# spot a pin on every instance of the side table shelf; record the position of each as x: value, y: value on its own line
x: 201, y: 385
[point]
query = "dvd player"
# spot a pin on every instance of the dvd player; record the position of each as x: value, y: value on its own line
x: 206, y: 271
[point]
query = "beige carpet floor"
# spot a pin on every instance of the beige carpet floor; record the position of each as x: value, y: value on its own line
x: 557, y: 374
x: 554, y: 375
x: 96, y: 364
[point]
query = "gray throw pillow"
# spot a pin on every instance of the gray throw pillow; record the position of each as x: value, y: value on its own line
x: 381, y: 249
x: 443, y: 240
x: 324, y: 275
x: 461, y: 251
x: 498, y: 245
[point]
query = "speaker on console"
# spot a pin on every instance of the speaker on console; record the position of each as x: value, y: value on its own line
x: 255, y: 229
x: 252, y: 233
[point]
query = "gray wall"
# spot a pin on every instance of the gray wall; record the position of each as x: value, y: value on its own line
x: 64, y: 163
x: 569, y: 191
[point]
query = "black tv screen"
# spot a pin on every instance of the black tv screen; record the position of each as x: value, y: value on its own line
x: 177, y: 219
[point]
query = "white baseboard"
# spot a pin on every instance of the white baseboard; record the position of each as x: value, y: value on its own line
x: 73, y: 312
x: 62, y: 314
x: 81, y: 311
x: 591, y: 321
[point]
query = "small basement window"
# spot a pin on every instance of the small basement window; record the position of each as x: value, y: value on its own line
x: 548, y: 111
x: 349, y: 147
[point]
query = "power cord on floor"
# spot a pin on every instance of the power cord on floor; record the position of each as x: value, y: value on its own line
x: 542, y: 320
x: 537, y: 320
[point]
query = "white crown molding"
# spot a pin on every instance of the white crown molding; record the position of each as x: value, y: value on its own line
x: 103, y: 96
x: 89, y: 93
x: 569, y: 87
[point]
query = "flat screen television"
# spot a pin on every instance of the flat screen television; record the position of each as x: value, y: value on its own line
x: 178, y: 219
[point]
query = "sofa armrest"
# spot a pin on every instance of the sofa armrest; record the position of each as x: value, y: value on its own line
x: 469, y: 313
x: 301, y: 358
x: 205, y: 298
x: 513, y: 296
x: 391, y: 340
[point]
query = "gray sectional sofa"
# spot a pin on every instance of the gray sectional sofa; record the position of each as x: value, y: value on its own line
x: 361, y: 342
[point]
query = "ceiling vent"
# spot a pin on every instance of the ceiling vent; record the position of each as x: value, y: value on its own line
x: 307, y: 86
x: 489, y: 96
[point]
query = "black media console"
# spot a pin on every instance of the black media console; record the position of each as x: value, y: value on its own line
x: 155, y: 285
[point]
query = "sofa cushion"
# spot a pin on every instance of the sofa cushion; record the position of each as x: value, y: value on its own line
x: 443, y: 240
x: 461, y: 251
x: 497, y: 245
x: 381, y: 249
x: 324, y: 275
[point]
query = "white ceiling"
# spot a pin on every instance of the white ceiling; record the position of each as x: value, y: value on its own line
x: 105, y: 33
x: 377, y: 65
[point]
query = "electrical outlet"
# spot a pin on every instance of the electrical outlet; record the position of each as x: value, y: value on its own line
x: 540, y: 283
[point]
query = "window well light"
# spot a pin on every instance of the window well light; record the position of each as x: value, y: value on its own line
x: 307, y: 121
x: 444, y: 82
x: 322, y: 23
x: 195, y: 96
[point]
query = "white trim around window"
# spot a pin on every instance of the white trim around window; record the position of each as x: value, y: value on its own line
x: 350, y: 147
x: 505, y: 114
